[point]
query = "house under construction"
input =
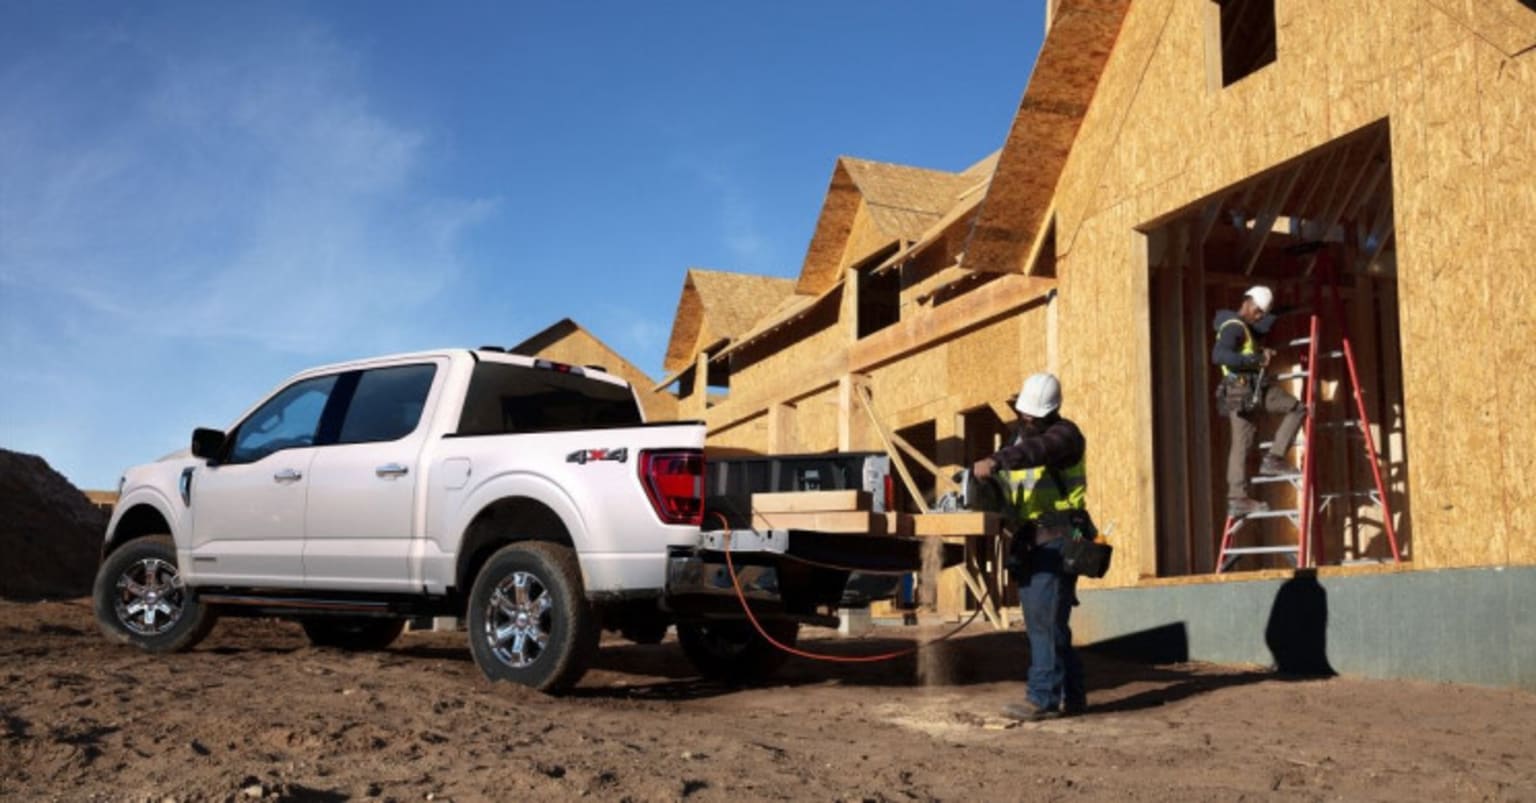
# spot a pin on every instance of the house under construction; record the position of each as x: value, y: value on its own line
x: 1374, y: 162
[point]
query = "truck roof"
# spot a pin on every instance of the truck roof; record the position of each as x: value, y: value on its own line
x: 486, y: 353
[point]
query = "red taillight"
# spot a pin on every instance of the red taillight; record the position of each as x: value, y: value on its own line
x: 890, y: 494
x: 674, y: 482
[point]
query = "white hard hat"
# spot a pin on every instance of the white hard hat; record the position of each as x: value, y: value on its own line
x: 1262, y: 296
x: 1040, y: 396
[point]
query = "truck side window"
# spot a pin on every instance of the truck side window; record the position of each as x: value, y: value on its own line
x: 287, y: 421
x: 387, y: 404
x: 506, y: 398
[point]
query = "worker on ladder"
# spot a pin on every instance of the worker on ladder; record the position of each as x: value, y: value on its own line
x: 1044, y: 467
x: 1243, y: 391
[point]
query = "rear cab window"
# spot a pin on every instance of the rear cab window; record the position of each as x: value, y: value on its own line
x: 386, y: 403
x: 507, y: 399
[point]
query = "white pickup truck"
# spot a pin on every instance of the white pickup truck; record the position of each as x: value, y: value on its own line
x: 526, y: 496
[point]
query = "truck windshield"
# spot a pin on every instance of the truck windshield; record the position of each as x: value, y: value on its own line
x: 506, y: 398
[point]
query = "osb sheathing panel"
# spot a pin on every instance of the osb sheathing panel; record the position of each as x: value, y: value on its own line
x: 1507, y: 25
x: 1156, y: 140
x: 816, y: 421
x: 1105, y: 368
x: 990, y: 363
x: 1066, y: 72
x: 1444, y: 274
x: 749, y: 435
x: 909, y: 383
x: 1508, y: 91
x: 824, y: 255
x: 864, y: 238
x: 781, y: 368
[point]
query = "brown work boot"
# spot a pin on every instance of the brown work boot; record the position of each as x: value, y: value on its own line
x: 1273, y: 466
x: 1029, y: 712
x: 1243, y: 506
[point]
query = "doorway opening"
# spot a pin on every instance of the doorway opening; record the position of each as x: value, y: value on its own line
x: 1316, y: 228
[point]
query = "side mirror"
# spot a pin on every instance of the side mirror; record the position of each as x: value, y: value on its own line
x: 207, y: 443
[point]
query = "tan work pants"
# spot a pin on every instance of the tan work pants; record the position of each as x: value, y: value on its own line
x: 1278, y: 402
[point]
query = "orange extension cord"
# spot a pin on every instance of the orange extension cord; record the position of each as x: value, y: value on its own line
x: 837, y: 659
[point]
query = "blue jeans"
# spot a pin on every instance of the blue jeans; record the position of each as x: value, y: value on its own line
x: 1046, y: 595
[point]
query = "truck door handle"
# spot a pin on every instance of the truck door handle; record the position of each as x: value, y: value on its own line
x: 391, y: 470
x: 288, y: 475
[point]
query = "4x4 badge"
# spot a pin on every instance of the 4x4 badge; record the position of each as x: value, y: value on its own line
x: 584, y: 456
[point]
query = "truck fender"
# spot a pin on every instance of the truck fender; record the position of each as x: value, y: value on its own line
x: 143, y: 496
x: 517, y: 485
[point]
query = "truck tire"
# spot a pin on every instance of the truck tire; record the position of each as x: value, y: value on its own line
x: 357, y: 634
x: 529, y: 621
x: 140, y: 600
x: 733, y: 651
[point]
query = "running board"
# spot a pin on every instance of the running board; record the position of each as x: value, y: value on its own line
x: 274, y: 605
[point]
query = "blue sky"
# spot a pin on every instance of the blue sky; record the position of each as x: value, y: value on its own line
x: 200, y: 199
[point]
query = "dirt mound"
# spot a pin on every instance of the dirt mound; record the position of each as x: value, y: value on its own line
x: 50, y: 533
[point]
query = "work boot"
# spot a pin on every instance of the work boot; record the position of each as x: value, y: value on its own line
x: 1071, y: 708
x: 1029, y: 712
x: 1273, y: 466
x: 1243, y: 506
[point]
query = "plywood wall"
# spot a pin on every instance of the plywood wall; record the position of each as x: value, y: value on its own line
x: 1461, y: 110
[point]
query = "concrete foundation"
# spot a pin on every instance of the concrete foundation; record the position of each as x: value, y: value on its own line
x: 1459, y: 625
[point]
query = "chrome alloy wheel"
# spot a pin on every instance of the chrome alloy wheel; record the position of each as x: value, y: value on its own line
x: 150, y: 597
x: 519, y: 619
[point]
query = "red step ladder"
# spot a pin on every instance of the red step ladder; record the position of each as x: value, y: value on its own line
x: 1308, y: 549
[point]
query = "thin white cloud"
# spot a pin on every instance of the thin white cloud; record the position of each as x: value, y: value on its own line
x: 191, y: 208
x: 251, y: 192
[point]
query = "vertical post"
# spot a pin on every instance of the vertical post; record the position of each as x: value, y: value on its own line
x: 782, y: 438
x: 1198, y: 344
x: 853, y: 431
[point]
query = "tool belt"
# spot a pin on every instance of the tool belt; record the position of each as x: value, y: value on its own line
x: 1239, y: 392
x: 1081, y: 554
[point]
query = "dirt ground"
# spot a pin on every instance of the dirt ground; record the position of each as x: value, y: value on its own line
x: 256, y: 712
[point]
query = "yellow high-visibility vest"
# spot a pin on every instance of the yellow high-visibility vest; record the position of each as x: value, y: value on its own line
x: 1035, y: 494
x: 1249, y: 347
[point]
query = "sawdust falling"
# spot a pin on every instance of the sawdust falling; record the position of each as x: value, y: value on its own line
x: 932, y: 668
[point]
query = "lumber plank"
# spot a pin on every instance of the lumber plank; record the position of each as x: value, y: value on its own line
x: 950, y: 525
x: 811, y: 501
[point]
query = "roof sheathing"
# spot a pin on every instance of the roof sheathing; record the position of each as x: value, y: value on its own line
x: 1065, y: 77
x: 717, y: 305
x: 904, y: 201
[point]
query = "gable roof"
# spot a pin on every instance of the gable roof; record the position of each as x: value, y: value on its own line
x: 719, y: 305
x: 950, y: 226
x: 1065, y: 77
x: 555, y: 342
x: 902, y: 203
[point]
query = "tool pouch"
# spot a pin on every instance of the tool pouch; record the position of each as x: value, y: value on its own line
x: 1237, y: 393
x: 1085, y: 557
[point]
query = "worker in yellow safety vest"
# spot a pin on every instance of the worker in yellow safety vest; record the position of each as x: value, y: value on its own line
x: 1043, y: 466
x: 1244, y: 392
